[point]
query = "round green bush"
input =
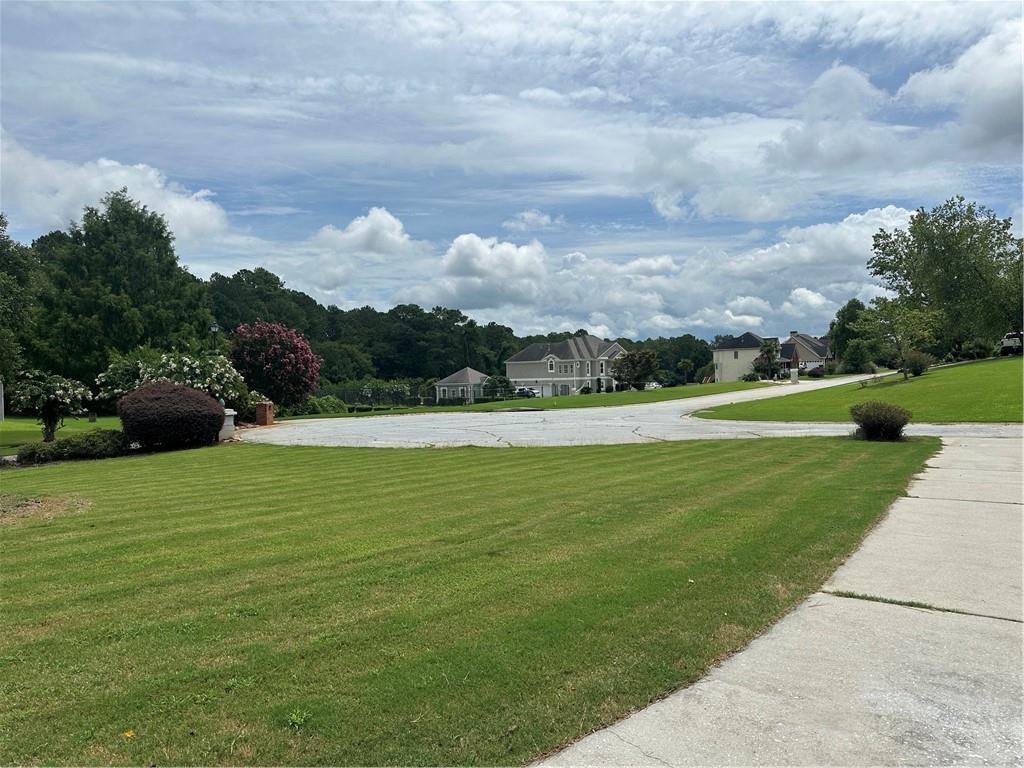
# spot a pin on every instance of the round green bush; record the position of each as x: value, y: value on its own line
x: 919, y: 362
x: 876, y: 420
x: 164, y: 416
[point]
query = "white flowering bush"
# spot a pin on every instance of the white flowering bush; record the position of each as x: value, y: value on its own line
x: 50, y: 399
x: 212, y: 374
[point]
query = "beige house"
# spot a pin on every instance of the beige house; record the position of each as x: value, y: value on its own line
x: 734, y: 357
x: 563, y: 368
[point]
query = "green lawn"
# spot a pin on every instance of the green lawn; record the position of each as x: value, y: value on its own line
x: 575, y: 401
x: 986, y: 391
x: 283, y: 605
x: 18, y: 430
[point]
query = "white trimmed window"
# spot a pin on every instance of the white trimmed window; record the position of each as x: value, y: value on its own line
x: 551, y: 366
x: 588, y: 367
x: 601, y: 364
x: 444, y: 393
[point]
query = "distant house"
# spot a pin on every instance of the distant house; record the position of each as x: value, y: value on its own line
x: 466, y: 385
x: 811, y: 351
x: 565, y: 367
x: 734, y: 357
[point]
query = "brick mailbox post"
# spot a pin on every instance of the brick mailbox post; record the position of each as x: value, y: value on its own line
x: 264, y: 414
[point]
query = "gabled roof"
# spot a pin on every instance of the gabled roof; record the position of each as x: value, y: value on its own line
x: 573, y: 348
x: 466, y: 376
x: 816, y: 345
x: 747, y: 341
x: 787, y: 351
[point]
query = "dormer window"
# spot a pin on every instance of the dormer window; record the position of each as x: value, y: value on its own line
x: 551, y: 366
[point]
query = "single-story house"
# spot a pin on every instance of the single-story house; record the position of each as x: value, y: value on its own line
x: 466, y: 385
x: 563, y: 368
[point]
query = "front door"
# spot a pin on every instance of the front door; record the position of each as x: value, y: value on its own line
x: 563, y: 390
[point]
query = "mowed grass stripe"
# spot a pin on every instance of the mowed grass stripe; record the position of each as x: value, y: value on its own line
x: 425, y: 606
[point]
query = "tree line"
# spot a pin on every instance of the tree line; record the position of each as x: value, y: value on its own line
x: 75, y: 299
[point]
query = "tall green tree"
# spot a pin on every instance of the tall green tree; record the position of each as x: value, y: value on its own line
x: 685, y: 366
x: 841, y: 330
x: 635, y: 368
x: 767, y: 360
x: 898, y: 328
x: 959, y: 260
x: 20, y: 282
x: 114, y: 284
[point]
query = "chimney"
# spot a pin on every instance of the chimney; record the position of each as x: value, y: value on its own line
x: 792, y: 333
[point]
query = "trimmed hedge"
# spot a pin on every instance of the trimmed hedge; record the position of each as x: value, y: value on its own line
x: 880, y: 421
x: 94, y: 444
x: 314, y: 405
x: 164, y: 416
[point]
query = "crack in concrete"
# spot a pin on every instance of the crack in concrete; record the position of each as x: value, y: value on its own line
x: 638, y: 748
x: 916, y: 605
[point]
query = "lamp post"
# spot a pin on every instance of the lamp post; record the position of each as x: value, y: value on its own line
x: 214, y: 330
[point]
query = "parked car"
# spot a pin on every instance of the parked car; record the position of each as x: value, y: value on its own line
x: 526, y: 392
x: 1012, y: 344
x: 652, y: 385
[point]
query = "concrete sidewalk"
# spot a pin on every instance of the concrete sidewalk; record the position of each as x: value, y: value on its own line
x: 857, y: 681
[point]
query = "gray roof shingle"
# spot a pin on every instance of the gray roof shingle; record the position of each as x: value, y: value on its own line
x: 746, y: 341
x: 465, y: 376
x: 574, y: 348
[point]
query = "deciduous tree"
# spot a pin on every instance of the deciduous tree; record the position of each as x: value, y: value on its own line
x: 959, y: 260
x: 635, y: 368
x: 898, y: 328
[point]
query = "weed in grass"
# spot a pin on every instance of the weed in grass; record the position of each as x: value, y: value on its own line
x: 298, y: 719
x: 237, y: 683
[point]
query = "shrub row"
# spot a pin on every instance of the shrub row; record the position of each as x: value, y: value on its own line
x: 94, y: 444
x: 314, y: 405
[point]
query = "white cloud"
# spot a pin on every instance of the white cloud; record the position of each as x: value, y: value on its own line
x: 803, y: 303
x: 842, y: 93
x: 984, y: 84
x: 749, y: 305
x: 378, y: 234
x: 45, y: 193
x: 532, y: 220
x: 483, y: 272
x: 719, y: 319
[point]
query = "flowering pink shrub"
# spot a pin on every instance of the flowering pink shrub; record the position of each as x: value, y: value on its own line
x: 276, y: 360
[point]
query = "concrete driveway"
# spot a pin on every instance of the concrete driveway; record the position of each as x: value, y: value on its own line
x: 669, y: 420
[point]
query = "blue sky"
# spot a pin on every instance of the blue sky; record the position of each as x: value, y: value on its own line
x: 633, y: 169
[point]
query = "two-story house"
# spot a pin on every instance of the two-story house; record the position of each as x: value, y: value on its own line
x: 565, y: 367
x: 734, y: 357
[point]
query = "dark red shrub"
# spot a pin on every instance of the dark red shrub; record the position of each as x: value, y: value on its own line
x: 163, y: 416
x: 276, y: 361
